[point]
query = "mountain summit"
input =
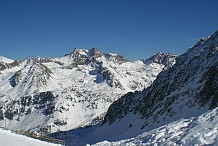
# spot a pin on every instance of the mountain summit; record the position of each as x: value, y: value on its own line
x: 83, y: 56
x: 162, y: 58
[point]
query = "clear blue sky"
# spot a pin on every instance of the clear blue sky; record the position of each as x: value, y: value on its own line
x: 135, y: 29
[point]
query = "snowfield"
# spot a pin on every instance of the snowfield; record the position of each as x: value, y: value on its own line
x: 7, y: 138
x: 202, y: 130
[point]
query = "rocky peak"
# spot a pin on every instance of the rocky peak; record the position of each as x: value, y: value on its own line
x: 83, y: 53
x: 116, y: 58
x: 94, y: 52
x: 77, y: 53
x: 32, y: 72
x: 93, y: 55
x: 40, y: 70
x: 166, y: 59
x: 205, y: 47
x: 78, y: 56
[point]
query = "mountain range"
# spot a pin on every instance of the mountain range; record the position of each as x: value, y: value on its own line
x: 187, y: 89
x: 46, y: 95
x: 87, y: 97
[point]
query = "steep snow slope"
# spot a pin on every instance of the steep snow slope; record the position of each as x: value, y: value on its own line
x: 8, y: 138
x: 50, y: 94
x: 187, y: 89
x: 202, y: 130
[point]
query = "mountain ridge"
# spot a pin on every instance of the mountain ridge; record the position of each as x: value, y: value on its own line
x: 50, y: 89
x: 182, y: 73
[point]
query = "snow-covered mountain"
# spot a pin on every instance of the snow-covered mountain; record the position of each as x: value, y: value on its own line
x: 50, y: 94
x: 201, y: 130
x: 187, y: 89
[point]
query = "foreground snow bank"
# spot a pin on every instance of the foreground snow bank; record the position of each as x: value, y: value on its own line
x: 7, y: 138
x: 202, y: 130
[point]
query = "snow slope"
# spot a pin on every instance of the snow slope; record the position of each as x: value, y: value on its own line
x: 5, y: 60
x: 202, y: 130
x: 7, y: 138
x: 52, y: 94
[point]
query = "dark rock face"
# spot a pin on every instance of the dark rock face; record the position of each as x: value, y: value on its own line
x: 15, y: 79
x: 4, y: 66
x: 43, y: 101
x: 120, y: 108
x: 210, y: 88
x: 95, y: 53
